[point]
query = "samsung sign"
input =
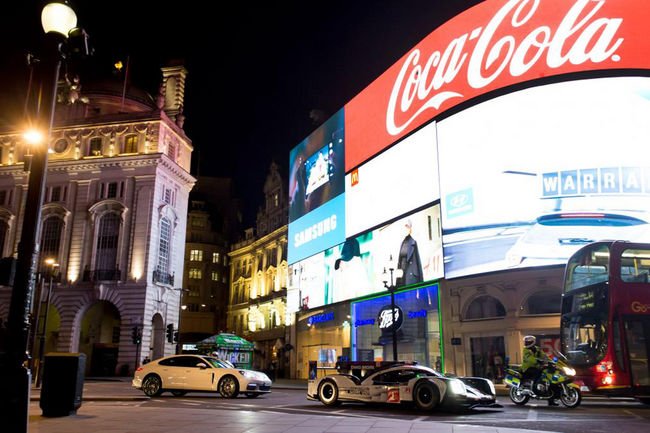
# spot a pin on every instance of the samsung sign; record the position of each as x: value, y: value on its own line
x: 320, y: 318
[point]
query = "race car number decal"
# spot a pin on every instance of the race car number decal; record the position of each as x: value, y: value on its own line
x: 393, y: 396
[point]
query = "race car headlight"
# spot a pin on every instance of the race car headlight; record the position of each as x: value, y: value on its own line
x: 492, y: 389
x: 569, y: 371
x: 457, y: 387
x: 247, y: 374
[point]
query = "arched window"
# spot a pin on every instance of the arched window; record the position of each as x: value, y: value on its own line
x: 543, y: 303
x: 4, y: 229
x: 51, y: 238
x: 107, y: 238
x: 131, y: 144
x: 95, y: 146
x: 485, y: 307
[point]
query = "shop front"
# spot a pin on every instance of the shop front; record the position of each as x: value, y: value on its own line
x: 323, y: 338
x: 416, y: 326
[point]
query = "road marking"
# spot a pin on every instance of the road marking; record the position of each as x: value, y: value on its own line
x: 532, y: 415
x: 629, y: 412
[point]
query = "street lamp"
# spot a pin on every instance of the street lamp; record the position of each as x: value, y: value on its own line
x: 41, y: 346
x: 391, y: 288
x: 58, y: 20
x: 181, y: 307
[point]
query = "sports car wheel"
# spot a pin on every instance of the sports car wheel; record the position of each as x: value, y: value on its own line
x: 426, y: 396
x: 228, y: 387
x: 518, y: 397
x: 328, y: 393
x: 179, y: 393
x: 570, y: 397
x: 152, y: 386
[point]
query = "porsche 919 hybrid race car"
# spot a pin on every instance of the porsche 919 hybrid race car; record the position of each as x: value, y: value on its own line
x: 403, y: 383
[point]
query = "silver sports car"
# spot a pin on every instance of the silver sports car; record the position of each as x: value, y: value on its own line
x: 402, y: 383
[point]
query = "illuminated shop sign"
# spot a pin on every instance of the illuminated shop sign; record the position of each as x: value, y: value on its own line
x: 385, y: 318
x: 495, y: 44
x: 410, y: 315
x: 320, y: 318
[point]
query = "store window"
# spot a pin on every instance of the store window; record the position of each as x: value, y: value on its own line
x: 488, y: 355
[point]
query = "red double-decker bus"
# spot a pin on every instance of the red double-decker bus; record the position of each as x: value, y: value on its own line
x: 605, y: 322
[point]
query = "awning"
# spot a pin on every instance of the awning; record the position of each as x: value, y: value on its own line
x: 225, y: 341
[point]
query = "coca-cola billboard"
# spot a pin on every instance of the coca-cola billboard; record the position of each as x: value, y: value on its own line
x: 492, y: 47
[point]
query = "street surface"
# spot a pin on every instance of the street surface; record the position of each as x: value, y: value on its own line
x: 595, y: 415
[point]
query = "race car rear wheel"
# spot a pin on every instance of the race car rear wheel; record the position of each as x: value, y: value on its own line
x: 517, y: 396
x: 328, y: 393
x: 426, y: 396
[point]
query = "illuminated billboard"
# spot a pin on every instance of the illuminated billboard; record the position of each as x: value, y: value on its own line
x: 360, y: 265
x: 493, y: 45
x: 316, y: 168
x: 528, y: 187
x: 403, y: 178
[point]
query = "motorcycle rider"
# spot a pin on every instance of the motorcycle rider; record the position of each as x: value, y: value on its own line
x: 533, y: 363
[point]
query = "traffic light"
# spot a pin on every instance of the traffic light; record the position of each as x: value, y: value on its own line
x: 170, y: 332
x: 136, y: 335
x: 175, y: 336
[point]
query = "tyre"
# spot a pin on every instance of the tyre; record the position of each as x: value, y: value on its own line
x: 328, y: 393
x: 252, y: 395
x: 152, y: 386
x: 426, y: 395
x: 517, y: 396
x: 228, y: 387
x: 570, y: 397
x: 178, y: 393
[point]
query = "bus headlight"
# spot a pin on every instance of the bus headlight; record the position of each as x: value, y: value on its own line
x: 569, y: 371
x: 457, y: 387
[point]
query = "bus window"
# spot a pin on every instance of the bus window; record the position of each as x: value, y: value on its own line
x: 635, y: 266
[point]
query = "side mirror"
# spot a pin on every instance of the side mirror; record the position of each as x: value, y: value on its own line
x: 202, y: 366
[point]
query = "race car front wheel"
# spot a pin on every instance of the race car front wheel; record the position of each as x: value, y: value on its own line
x: 328, y: 393
x: 426, y: 396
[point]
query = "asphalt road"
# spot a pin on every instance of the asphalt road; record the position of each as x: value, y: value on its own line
x: 594, y: 415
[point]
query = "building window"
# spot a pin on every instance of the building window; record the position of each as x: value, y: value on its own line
x: 131, y: 144
x: 215, y: 257
x: 194, y: 274
x: 543, y: 303
x: 485, y: 307
x: 55, y: 193
x: 164, y: 246
x: 111, y: 191
x: 168, y: 196
x: 4, y: 228
x: 51, y: 238
x: 215, y: 276
x: 95, y: 147
x: 198, y: 222
x: 60, y: 145
x: 196, y: 255
x: 107, y: 238
x: 3, y: 197
x: 171, y: 151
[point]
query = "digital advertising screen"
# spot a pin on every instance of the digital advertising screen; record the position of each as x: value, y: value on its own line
x: 494, y: 45
x: 360, y: 265
x: 317, y: 171
x: 403, y: 178
x: 543, y: 171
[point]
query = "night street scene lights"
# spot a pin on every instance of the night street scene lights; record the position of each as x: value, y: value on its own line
x: 389, y: 277
x: 52, y: 268
x: 59, y: 22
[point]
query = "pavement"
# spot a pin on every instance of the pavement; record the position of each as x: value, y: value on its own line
x: 105, y: 414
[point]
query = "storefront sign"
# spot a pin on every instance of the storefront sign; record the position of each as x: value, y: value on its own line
x: 320, y: 318
x: 364, y: 322
x: 417, y: 314
x: 385, y: 318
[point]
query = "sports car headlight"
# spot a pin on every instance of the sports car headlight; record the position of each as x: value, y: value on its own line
x: 569, y: 371
x: 492, y: 389
x: 247, y: 374
x: 457, y: 387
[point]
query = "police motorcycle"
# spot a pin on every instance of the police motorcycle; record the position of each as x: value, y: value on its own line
x: 555, y: 381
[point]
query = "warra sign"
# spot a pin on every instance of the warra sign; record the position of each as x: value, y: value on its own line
x: 496, y: 44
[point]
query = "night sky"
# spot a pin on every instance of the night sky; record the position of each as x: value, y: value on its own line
x: 258, y: 71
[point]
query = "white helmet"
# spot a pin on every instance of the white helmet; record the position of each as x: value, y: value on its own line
x: 529, y: 341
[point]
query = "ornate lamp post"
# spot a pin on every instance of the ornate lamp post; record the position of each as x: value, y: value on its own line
x: 58, y: 20
x: 52, y: 265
